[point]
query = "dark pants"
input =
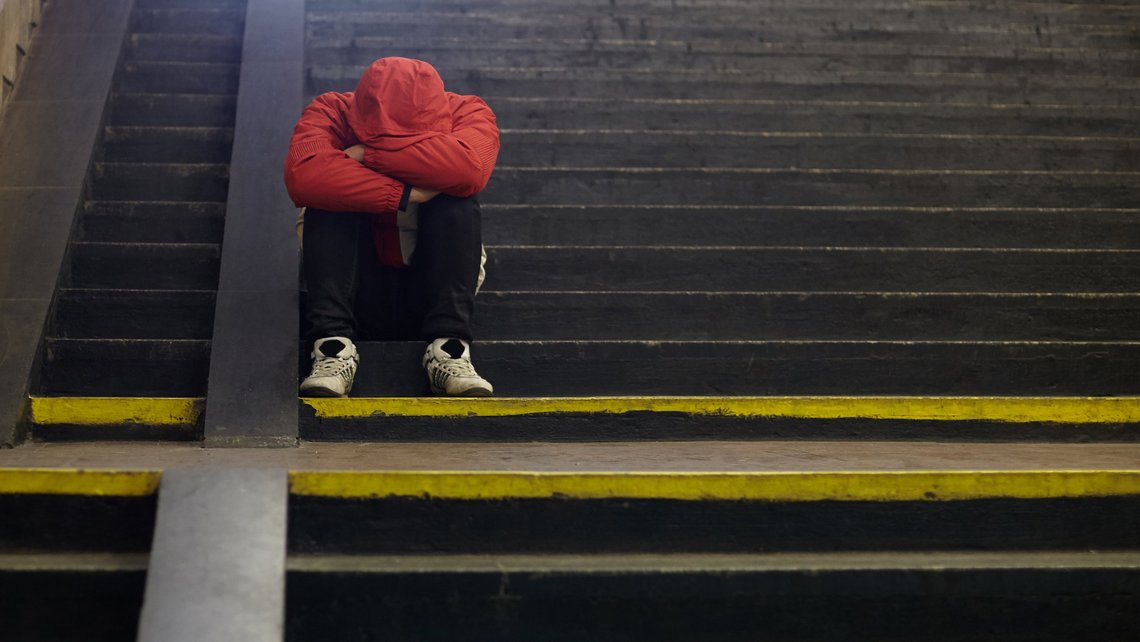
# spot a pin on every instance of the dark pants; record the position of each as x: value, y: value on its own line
x: 350, y: 294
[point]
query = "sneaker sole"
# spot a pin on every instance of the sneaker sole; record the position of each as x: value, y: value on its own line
x: 318, y: 391
x: 473, y: 392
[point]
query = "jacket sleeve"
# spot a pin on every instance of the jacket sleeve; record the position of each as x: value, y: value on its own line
x: 459, y: 163
x: 317, y: 172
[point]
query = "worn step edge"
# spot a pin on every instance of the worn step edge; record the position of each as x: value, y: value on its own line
x: 1066, y: 410
x: 655, y: 563
x: 861, y: 486
x: 78, y: 481
x: 108, y: 411
x: 94, y: 562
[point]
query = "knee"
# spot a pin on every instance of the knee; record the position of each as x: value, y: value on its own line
x: 451, y: 210
x: 449, y: 203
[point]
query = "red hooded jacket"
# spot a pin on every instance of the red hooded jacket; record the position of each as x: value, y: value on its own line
x: 415, y: 135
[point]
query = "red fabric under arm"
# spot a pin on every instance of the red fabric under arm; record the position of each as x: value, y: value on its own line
x: 317, y: 172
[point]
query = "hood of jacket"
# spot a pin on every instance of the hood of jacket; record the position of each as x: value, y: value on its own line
x: 398, y: 102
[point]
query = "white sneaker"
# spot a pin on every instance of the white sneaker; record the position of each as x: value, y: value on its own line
x: 334, y: 365
x: 449, y: 370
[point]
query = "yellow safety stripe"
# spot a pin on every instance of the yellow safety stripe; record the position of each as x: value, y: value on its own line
x: 74, y: 481
x: 770, y: 486
x: 1069, y: 410
x: 105, y: 411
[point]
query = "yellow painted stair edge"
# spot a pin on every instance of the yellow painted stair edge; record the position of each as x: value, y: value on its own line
x: 1067, y: 410
x: 882, y: 486
x: 108, y: 411
x: 764, y: 486
x: 78, y: 481
x: 184, y: 411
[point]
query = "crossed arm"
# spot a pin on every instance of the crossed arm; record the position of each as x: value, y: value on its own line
x: 325, y: 170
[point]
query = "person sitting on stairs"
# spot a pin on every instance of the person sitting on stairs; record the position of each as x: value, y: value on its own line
x: 387, y: 176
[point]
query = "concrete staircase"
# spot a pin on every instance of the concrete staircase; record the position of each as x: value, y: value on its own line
x: 134, y: 312
x: 736, y: 199
x: 769, y: 280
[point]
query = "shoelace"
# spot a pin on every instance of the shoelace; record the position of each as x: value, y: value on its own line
x: 331, y: 367
x: 458, y: 367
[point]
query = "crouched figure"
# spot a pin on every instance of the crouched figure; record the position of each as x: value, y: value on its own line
x: 392, y: 246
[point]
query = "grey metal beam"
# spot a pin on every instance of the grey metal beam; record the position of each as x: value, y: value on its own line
x: 252, y: 393
x: 49, y: 130
x: 217, y: 565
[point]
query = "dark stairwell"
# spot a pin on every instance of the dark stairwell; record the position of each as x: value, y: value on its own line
x: 134, y: 310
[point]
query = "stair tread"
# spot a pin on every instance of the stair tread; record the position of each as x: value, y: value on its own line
x: 656, y: 564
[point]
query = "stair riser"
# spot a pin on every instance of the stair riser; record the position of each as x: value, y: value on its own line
x: 699, y: 317
x: 779, y: 7
x: 191, y: 4
x: 794, y: 117
x: 333, y: 29
x: 569, y: 369
x: 159, y: 110
x: 163, y: 370
x: 714, y: 606
x: 74, y: 523
x: 854, y: 60
x: 710, y: 150
x: 838, y: 188
x: 163, y: 267
x: 829, y: 228
x: 650, y: 426
x: 94, y: 606
x: 142, y: 182
x: 167, y: 147
x: 566, y: 525
x: 140, y: 314
x: 647, y: 269
x: 228, y: 22
x: 150, y: 47
x: 663, y: 84
x: 175, y: 78
x: 152, y: 223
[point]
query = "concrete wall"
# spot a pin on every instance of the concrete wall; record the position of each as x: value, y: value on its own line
x: 17, y: 20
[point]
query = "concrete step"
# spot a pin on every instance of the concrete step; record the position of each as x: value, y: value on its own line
x: 190, y: 4
x: 654, y: 419
x: 77, y: 596
x: 608, y: 368
x: 554, y: 551
x: 753, y: 269
x: 714, y: 422
x: 198, y: 182
x: 148, y: 77
x: 171, y: 110
x: 86, y: 419
x: 1046, y: 7
x: 194, y: 20
x: 167, y: 144
x: 593, y: 147
x: 1102, y: 30
x: 112, y: 367
x: 762, y: 115
x: 721, y: 598
x: 182, y: 47
x: 73, y: 552
x: 410, y: 512
x: 139, y: 314
x: 717, y: 55
x: 657, y: 82
x: 702, y: 316
x: 823, y: 226
x: 810, y: 187
x: 158, y: 266
x: 151, y: 222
